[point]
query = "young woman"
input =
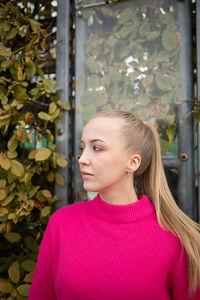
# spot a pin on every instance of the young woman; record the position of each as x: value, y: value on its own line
x: 120, y: 246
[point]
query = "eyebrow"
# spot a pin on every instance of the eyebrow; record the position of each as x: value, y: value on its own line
x: 95, y: 140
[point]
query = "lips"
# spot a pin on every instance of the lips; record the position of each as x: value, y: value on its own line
x: 86, y: 175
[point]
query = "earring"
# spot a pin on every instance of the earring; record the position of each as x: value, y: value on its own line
x: 129, y: 174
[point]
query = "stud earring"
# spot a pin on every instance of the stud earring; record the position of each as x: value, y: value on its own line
x: 129, y: 174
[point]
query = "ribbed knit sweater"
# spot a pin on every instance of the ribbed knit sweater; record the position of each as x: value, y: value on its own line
x: 97, y: 250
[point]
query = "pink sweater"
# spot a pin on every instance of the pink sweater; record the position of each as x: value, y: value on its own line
x: 96, y: 250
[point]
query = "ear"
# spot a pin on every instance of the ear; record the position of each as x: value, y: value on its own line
x: 134, y: 163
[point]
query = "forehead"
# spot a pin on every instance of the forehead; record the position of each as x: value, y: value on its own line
x: 102, y: 128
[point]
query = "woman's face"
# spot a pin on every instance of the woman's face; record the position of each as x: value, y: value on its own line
x: 104, y: 160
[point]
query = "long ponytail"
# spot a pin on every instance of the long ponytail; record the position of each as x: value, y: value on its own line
x: 168, y: 213
x: 153, y: 180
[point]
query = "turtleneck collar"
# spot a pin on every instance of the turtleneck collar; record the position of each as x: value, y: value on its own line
x: 123, y: 213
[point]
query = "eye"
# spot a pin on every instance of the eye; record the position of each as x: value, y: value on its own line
x: 96, y: 148
x: 81, y: 149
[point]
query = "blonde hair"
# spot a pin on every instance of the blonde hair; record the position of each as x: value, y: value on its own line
x: 154, y: 184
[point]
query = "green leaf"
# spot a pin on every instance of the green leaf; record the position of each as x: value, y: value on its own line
x: 13, y: 237
x: 163, y: 83
x: 144, y: 29
x: 13, y: 272
x: 125, y: 16
x: 126, y: 32
x: 169, y: 40
x: 151, y: 36
x: 6, y: 287
x: 87, y: 98
x: 19, y: 93
x: 91, y: 64
x: 167, y: 97
x: 42, y: 154
x: 114, y: 75
x: 30, y: 69
x: 52, y: 108
x: 35, y: 25
x: 45, y: 211
x: 28, y: 265
x: 94, y: 82
x: 12, y: 33
x: 112, y: 41
x: 44, y: 116
x: 17, y: 168
x: 163, y: 55
x: 23, y: 289
x: 143, y: 99
x: 31, y: 243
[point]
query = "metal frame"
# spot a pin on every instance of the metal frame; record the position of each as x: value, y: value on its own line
x: 185, y: 160
x: 186, y: 186
x: 198, y: 97
x: 64, y: 81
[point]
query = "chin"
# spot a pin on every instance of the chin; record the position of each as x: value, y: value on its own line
x: 90, y: 189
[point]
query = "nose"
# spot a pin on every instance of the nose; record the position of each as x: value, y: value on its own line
x: 82, y: 158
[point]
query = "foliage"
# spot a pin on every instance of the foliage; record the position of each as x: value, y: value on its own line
x: 132, y: 62
x: 29, y: 109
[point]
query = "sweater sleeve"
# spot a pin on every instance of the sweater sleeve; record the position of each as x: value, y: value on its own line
x: 180, y: 279
x: 42, y: 286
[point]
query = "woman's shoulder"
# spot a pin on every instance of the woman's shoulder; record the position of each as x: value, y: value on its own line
x: 68, y: 212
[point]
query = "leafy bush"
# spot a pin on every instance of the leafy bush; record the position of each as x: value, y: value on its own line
x: 29, y: 109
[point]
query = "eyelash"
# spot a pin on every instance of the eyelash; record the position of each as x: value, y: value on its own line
x: 94, y: 148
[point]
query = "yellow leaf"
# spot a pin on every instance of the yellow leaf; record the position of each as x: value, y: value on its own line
x: 45, y: 211
x: 5, y: 287
x: 4, y: 51
x: 19, y: 74
x: 28, y: 277
x: 17, y: 168
x: 3, y: 194
x: 42, y: 154
x: 13, y: 237
x: 46, y: 193
x: 14, y: 272
x: 60, y: 179
x: 13, y: 143
x: 2, y: 183
x: 23, y: 289
x: 4, y: 162
x: 28, y: 265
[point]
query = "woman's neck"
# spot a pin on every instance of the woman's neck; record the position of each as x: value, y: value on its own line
x: 119, y: 197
